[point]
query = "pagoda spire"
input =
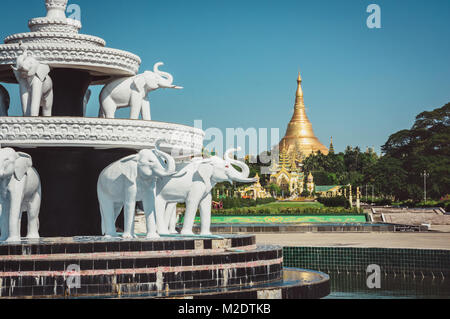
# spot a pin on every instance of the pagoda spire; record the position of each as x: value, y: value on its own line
x: 331, y: 149
x: 299, y: 131
x: 299, y: 102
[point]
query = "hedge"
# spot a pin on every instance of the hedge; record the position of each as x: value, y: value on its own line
x: 339, y: 201
x: 286, y: 211
x: 234, y: 202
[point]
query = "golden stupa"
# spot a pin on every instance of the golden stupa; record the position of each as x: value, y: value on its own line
x: 299, y: 134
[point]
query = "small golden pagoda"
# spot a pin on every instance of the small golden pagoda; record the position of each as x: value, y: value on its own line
x: 254, y: 191
x: 299, y: 134
x: 331, y: 148
x: 287, y: 172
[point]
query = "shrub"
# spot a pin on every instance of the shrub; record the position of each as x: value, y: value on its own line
x: 233, y: 202
x: 338, y: 201
x: 285, y: 211
x: 379, y: 201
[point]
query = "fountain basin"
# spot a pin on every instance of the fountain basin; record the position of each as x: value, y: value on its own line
x: 228, y: 266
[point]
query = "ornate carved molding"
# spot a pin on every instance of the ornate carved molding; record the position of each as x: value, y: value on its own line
x: 64, y: 54
x: 98, y: 133
x: 58, y: 4
x: 54, y: 25
x: 55, y: 37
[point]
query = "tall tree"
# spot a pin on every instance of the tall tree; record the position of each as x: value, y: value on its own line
x: 425, y: 147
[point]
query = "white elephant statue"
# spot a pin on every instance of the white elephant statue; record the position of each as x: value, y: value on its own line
x: 192, y: 185
x: 20, y: 191
x: 132, y: 92
x: 36, y: 86
x: 4, y: 101
x: 171, y: 217
x: 128, y: 181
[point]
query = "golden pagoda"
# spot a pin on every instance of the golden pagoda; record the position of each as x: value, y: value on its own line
x: 254, y: 191
x: 299, y: 134
x: 331, y: 148
x: 286, y: 172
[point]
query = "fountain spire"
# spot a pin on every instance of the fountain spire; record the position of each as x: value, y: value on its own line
x: 56, y: 9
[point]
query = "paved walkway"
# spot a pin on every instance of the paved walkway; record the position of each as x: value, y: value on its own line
x: 380, y: 240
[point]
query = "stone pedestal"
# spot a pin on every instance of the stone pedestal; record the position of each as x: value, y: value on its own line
x: 69, y: 88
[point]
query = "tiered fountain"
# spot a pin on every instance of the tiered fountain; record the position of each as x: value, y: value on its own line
x: 54, y: 66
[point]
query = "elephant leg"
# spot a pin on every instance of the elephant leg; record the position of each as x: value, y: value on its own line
x: 24, y: 96
x: 205, y: 215
x: 108, y: 108
x: 33, y: 216
x: 108, y: 217
x: 117, y: 209
x: 146, y: 115
x: 172, y: 217
x: 101, y: 114
x: 4, y: 220
x: 189, y: 216
x: 129, y: 212
x: 160, y: 210
x: 167, y: 215
x: 48, y: 104
x: 16, y: 189
x: 36, y: 97
x: 150, y: 219
x: 135, y: 105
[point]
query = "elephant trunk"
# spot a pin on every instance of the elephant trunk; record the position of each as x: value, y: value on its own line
x: 171, y: 167
x: 167, y: 76
x: 235, y: 175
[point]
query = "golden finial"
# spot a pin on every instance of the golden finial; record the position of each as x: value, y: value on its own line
x: 299, y: 77
x: 299, y: 100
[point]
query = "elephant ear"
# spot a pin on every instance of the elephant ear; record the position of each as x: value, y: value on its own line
x: 42, y: 71
x: 128, y: 168
x: 139, y: 83
x: 205, y: 171
x: 21, y: 166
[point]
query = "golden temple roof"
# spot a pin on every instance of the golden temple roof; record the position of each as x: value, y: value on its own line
x: 299, y: 133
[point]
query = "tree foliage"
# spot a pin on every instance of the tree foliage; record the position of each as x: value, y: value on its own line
x: 406, y: 154
x: 340, y: 169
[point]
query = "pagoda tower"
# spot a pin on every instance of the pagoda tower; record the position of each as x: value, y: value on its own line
x: 299, y: 134
x: 331, y: 148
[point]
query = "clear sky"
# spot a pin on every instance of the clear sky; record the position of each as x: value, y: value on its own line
x: 238, y: 60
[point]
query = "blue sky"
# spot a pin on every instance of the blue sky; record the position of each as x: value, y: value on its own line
x: 238, y: 60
